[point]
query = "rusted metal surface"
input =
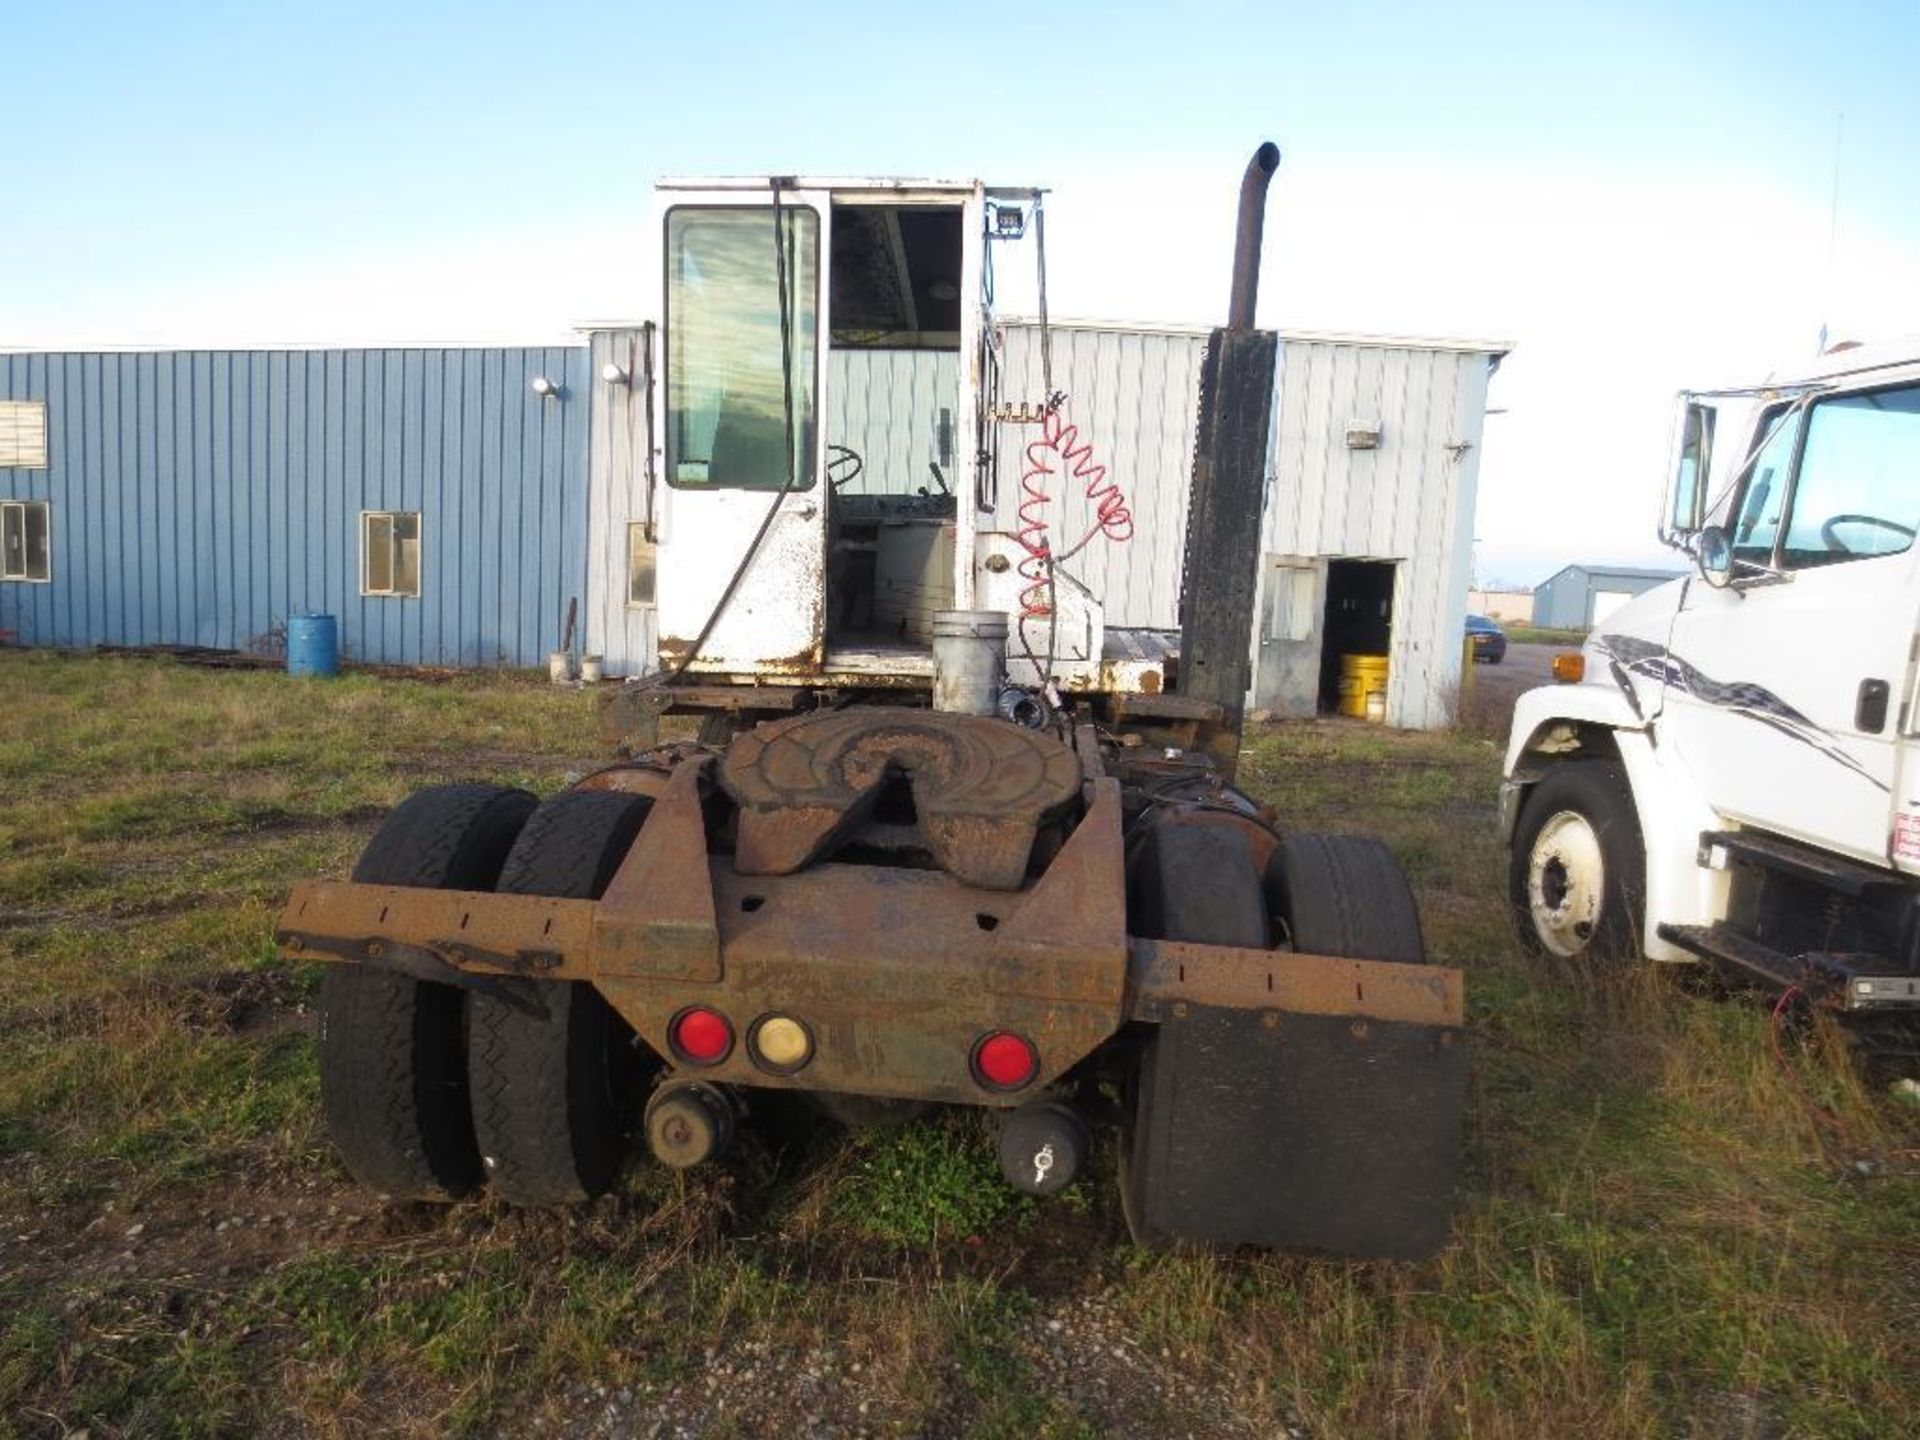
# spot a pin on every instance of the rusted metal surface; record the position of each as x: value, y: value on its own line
x: 524, y: 935
x: 1262, y: 840
x: 1086, y: 742
x: 896, y: 972
x: 630, y: 717
x: 981, y: 788
x: 657, y: 915
x: 1250, y: 224
x: 1080, y: 903
x: 745, y: 694
x: 1164, y: 974
x: 647, y: 773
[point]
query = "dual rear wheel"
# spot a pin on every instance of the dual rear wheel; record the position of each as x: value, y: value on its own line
x: 1343, y: 896
x: 430, y: 1089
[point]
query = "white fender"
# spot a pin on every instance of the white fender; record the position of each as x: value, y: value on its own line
x: 1672, y: 811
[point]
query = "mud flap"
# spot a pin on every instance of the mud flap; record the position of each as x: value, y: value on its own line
x: 1288, y: 1130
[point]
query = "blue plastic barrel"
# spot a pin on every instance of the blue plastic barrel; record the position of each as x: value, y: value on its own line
x: 313, y: 645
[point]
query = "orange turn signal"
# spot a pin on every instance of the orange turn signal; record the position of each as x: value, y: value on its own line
x: 1570, y: 668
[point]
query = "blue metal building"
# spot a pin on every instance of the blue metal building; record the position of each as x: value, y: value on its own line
x: 431, y: 498
x: 1579, y: 597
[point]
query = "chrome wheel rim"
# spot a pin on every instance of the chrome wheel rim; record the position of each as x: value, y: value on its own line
x: 1566, y: 882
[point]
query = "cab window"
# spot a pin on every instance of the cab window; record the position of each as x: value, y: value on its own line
x: 726, y: 388
x: 1857, y: 494
x: 1763, y: 499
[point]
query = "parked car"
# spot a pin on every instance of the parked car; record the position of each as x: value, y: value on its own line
x: 1489, y: 640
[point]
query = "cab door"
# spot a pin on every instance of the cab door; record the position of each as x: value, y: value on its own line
x: 1786, y: 692
x: 742, y: 565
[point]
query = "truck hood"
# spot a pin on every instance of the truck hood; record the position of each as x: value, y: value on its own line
x: 1648, y: 618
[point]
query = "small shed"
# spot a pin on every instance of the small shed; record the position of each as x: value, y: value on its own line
x: 1580, y: 597
x: 1367, y: 533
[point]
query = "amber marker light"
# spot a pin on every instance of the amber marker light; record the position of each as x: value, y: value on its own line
x: 1570, y: 668
x: 780, y: 1043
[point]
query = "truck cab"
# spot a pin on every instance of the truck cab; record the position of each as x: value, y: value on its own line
x: 1729, y: 776
x: 826, y: 431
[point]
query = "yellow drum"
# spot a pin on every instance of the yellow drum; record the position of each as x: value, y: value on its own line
x: 1362, y: 676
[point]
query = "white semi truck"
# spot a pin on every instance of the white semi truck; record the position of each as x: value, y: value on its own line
x: 1731, y: 774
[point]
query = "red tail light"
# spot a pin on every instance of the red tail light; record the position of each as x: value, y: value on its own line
x: 700, y: 1036
x: 1005, y: 1061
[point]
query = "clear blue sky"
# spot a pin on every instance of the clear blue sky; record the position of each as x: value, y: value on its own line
x: 172, y: 152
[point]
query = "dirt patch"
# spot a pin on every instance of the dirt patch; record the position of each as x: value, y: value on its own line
x: 248, y: 1002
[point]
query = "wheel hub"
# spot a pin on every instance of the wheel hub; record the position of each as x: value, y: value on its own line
x: 1566, y: 883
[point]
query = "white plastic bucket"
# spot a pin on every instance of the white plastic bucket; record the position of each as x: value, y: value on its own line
x: 969, y: 660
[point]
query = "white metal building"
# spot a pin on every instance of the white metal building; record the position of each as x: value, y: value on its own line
x: 1369, y: 515
x: 1369, y: 518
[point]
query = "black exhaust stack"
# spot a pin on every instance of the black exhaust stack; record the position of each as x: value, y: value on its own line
x: 1222, y: 570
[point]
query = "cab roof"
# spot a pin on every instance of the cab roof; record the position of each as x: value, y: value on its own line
x: 870, y: 184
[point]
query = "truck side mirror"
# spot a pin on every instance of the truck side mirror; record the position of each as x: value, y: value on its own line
x: 1695, y: 453
x: 1713, y: 548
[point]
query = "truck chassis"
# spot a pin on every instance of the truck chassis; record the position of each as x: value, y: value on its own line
x: 904, y: 905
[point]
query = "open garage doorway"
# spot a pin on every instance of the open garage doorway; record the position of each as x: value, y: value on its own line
x: 1358, y: 620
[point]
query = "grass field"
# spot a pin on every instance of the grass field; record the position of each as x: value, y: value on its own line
x: 1541, y: 635
x: 1667, y: 1228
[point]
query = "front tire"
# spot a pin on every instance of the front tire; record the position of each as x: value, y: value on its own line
x: 1577, y: 869
x: 393, y: 1071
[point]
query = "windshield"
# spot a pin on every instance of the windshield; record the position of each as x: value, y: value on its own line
x: 725, y: 390
x: 1858, y: 490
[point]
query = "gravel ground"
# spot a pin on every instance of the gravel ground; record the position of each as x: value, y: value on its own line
x: 1077, y: 1349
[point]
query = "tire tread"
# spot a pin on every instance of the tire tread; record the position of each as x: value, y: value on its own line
x: 549, y: 1131
x: 392, y: 1067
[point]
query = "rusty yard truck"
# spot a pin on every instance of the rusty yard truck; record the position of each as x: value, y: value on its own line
x: 945, y: 836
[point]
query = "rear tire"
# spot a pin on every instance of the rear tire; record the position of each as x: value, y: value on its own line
x: 1345, y: 896
x: 1193, y: 883
x: 1576, y: 872
x: 553, y: 1094
x: 393, y: 1081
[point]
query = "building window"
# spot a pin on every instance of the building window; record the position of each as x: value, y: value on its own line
x: 23, y: 434
x: 390, y: 552
x: 24, y: 529
x: 640, y: 561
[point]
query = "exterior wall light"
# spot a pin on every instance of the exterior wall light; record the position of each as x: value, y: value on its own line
x: 615, y: 374
x: 545, y: 388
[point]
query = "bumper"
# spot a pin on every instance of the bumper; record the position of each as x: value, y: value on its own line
x: 896, y: 972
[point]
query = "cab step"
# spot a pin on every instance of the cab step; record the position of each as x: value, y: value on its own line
x: 1855, y: 983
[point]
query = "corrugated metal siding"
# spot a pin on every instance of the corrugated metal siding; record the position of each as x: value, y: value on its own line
x: 1410, y: 501
x: 202, y: 497
x: 1561, y: 602
x: 1134, y: 396
x: 618, y: 467
x: 886, y: 405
